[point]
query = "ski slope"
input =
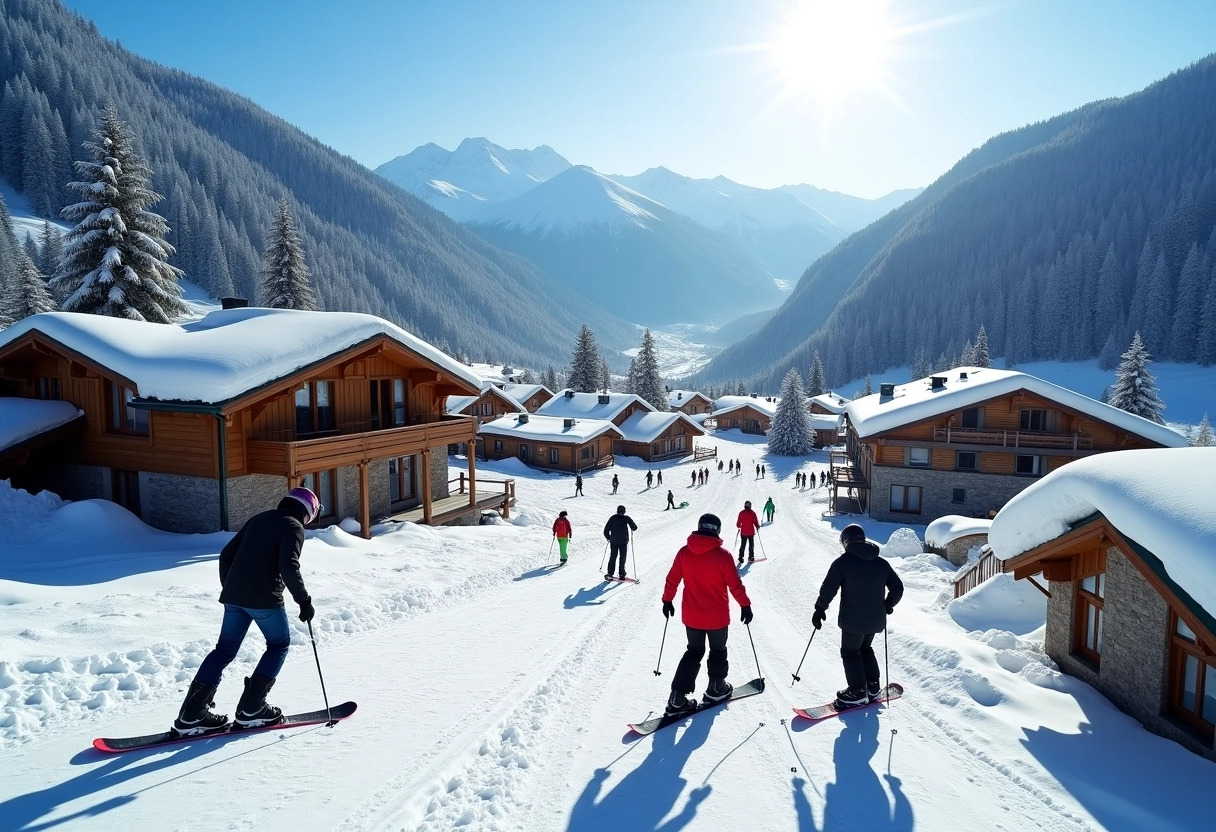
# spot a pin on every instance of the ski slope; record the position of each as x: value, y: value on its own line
x: 494, y: 692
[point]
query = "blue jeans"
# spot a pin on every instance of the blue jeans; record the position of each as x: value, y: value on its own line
x: 272, y: 623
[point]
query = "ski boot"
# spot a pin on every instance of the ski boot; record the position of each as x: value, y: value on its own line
x: 678, y: 703
x: 717, y: 690
x: 850, y: 698
x: 608, y: 576
x: 195, y: 717
x: 252, y: 711
x: 873, y: 690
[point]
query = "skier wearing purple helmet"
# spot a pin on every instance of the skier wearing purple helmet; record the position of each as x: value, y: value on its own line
x: 255, y: 567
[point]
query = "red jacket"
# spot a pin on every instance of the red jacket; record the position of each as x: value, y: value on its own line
x: 707, y: 571
x: 747, y: 522
x: 561, y: 527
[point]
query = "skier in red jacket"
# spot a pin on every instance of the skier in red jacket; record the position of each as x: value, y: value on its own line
x: 563, y: 531
x: 747, y: 524
x: 708, y: 573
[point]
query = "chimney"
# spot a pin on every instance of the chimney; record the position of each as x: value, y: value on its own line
x: 233, y: 303
x: 962, y: 376
x: 568, y: 423
x: 886, y: 390
x: 604, y: 398
x: 679, y: 396
x: 937, y: 382
x: 569, y: 394
x: 523, y: 418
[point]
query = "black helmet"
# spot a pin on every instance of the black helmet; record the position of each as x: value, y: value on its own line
x: 709, y: 524
x: 620, y: 509
x: 851, y: 534
x: 747, y: 503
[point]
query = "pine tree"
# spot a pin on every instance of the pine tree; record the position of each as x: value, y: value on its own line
x: 285, y: 280
x: 527, y: 377
x: 982, y: 358
x: 585, y: 366
x: 51, y: 250
x: 27, y: 294
x: 1185, y: 332
x: 741, y: 389
x: 30, y: 247
x: 605, y: 376
x: 817, y: 386
x: 549, y: 379
x: 869, y: 390
x: 1204, y: 438
x: 648, y: 384
x: 631, y: 378
x: 1135, y: 387
x: 116, y: 258
x: 791, y: 433
x: 1105, y: 397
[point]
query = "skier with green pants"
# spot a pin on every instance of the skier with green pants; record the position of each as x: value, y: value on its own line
x: 563, y: 531
x: 769, y: 510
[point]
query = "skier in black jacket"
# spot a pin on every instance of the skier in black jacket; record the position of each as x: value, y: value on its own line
x: 616, y: 532
x: 255, y: 566
x: 869, y: 590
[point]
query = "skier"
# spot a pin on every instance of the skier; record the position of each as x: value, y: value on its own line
x: 255, y: 566
x: 694, y: 479
x: 757, y: 471
x: 707, y: 572
x: 671, y: 500
x: 578, y: 485
x: 659, y: 479
x: 649, y: 478
x: 769, y: 509
x: 563, y: 531
x: 869, y: 590
x: 616, y: 532
x: 615, y: 483
x: 719, y: 466
x: 763, y: 471
x: 746, y: 524
x: 730, y: 468
x: 738, y: 468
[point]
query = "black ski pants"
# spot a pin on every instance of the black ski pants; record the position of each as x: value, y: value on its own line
x: 860, y: 663
x: 747, y: 541
x: 617, y: 549
x: 685, y: 680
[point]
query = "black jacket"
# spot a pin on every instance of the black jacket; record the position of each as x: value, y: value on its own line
x: 617, y: 528
x: 867, y: 584
x: 263, y: 558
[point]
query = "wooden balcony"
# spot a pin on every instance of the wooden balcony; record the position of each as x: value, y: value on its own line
x: 292, y: 458
x: 1013, y: 438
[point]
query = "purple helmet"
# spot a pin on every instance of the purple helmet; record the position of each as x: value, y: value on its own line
x: 309, y: 500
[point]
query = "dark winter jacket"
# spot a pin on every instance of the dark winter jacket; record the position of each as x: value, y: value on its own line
x: 747, y: 522
x: 867, y: 585
x: 561, y: 527
x: 263, y: 558
x: 617, y: 528
x: 708, y: 572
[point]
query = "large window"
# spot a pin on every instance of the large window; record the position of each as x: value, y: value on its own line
x: 387, y: 403
x: 322, y: 484
x: 124, y: 490
x: 1090, y: 594
x: 973, y: 417
x: 497, y: 446
x: 918, y: 457
x: 966, y: 461
x: 905, y: 499
x: 1192, y: 694
x: 553, y: 456
x: 315, y: 408
x: 1025, y: 465
x: 123, y: 417
x: 48, y: 387
x: 401, y: 478
x: 1032, y: 419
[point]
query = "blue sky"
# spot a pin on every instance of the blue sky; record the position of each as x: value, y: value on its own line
x: 887, y: 100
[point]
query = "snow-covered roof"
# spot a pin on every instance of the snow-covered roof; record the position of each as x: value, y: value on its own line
x: 761, y: 403
x: 226, y: 353
x: 548, y: 428
x: 679, y: 398
x: 21, y: 419
x: 917, y: 401
x: 824, y: 421
x: 522, y: 392
x: 646, y: 427
x: 571, y: 405
x: 830, y: 402
x: 944, y: 530
x: 1160, y: 498
x: 458, y: 404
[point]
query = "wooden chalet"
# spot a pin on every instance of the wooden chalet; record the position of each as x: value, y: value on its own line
x: 196, y: 427
x: 1131, y: 583
x: 490, y: 404
x: 690, y: 402
x: 750, y: 414
x: 658, y: 436
x: 552, y: 442
x: 531, y: 396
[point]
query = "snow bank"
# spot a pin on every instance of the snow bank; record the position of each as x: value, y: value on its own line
x: 944, y: 530
x: 903, y: 543
x: 1001, y: 603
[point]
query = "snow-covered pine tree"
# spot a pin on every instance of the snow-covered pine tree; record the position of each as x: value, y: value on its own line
x: 527, y: 377
x: 741, y: 389
x: 1204, y: 437
x: 817, y: 385
x: 549, y: 378
x: 791, y: 433
x: 585, y: 365
x: 26, y: 293
x: 285, y: 280
x: 967, y: 357
x: 30, y: 247
x: 1135, y: 387
x: 631, y: 378
x: 982, y: 358
x: 649, y: 384
x: 605, y: 376
x: 1105, y: 397
x: 51, y: 250
x: 869, y: 389
x: 115, y: 258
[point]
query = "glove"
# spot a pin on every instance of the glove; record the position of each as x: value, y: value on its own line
x: 306, y: 610
x: 669, y: 609
x: 745, y: 615
x: 818, y: 617
x: 890, y: 608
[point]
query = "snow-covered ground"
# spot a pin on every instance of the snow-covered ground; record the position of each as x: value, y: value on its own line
x: 493, y: 692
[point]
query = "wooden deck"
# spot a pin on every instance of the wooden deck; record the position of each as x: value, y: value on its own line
x: 449, y: 508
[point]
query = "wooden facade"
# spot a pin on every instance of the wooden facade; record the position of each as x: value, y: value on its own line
x: 745, y: 418
x: 571, y: 455
x: 492, y: 404
x: 677, y: 439
x: 693, y: 404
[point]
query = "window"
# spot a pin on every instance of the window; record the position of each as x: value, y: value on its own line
x: 48, y: 387
x: 1030, y: 419
x: 973, y: 417
x: 586, y: 452
x: 958, y: 495
x: 123, y: 417
x: 1090, y: 594
x: 918, y: 457
x: 1192, y: 693
x: 905, y: 499
x: 315, y: 408
x: 524, y: 451
x: 1025, y: 465
x: 322, y: 484
x: 401, y: 479
x: 966, y: 461
x: 553, y: 454
x: 124, y: 490
x: 387, y: 403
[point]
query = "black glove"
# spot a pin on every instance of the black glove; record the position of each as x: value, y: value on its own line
x: 818, y: 617
x: 669, y: 609
x: 745, y: 615
x: 306, y: 610
x: 890, y: 608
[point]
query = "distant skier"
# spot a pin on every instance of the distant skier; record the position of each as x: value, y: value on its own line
x: 578, y: 485
x: 730, y: 468
x: 738, y: 468
x: 694, y: 480
x: 255, y: 566
x: 615, y: 482
x: 659, y: 479
x: 616, y: 532
x: 719, y: 466
x: 706, y: 570
x: 769, y: 509
x: 563, y: 531
x: 869, y: 590
x: 649, y: 478
x: 671, y: 500
x: 747, y: 524
x: 757, y: 471
x: 763, y: 471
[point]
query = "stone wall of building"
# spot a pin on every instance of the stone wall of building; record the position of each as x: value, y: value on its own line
x: 176, y: 503
x: 439, y: 472
x: 984, y: 492
x: 77, y: 482
x: 377, y: 491
x: 252, y: 494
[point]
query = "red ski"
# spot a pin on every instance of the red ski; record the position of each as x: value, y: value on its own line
x: 621, y: 580
x: 891, y: 691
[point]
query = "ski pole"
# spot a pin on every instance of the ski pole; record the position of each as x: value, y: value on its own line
x: 798, y: 678
x: 886, y: 662
x: 761, y: 539
x: 757, y: 658
x: 330, y: 721
x: 666, y: 621
x: 550, y: 555
x: 604, y: 557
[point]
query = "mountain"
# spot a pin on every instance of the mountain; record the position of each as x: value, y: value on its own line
x: 636, y: 258
x: 476, y: 171
x: 851, y: 213
x: 1061, y: 239
x: 222, y: 164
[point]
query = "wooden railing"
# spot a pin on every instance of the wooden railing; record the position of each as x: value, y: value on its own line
x: 1013, y: 438
x: 508, y: 485
x: 699, y: 454
x: 976, y: 573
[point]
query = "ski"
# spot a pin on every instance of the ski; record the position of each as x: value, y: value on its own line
x: 622, y: 580
x: 891, y: 691
x: 116, y: 745
x: 663, y: 720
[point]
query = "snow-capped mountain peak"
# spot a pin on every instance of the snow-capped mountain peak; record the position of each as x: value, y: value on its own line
x: 579, y: 196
